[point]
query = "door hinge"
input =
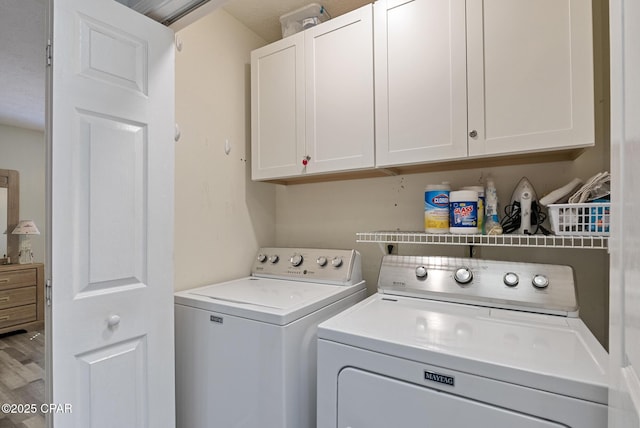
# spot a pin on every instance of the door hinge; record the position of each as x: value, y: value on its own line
x: 49, y: 53
x: 47, y: 292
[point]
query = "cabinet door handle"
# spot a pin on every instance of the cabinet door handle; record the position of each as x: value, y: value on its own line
x: 4, y: 280
x: 5, y: 299
x: 473, y: 134
x: 5, y: 318
x: 305, y: 160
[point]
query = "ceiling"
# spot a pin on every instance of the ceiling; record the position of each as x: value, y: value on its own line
x: 22, y: 56
x: 22, y: 47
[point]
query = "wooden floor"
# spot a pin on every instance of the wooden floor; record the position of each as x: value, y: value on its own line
x: 22, y: 376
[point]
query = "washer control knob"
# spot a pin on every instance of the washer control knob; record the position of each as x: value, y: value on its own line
x: 540, y: 281
x: 274, y: 259
x: 296, y: 260
x: 421, y: 272
x: 511, y: 279
x: 463, y: 276
x: 336, y: 262
x: 261, y: 258
x: 322, y: 261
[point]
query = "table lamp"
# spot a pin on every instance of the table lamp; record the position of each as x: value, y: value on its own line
x: 24, y: 229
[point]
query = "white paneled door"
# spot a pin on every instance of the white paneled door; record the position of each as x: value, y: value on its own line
x: 111, y: 161
x: 624, y: 333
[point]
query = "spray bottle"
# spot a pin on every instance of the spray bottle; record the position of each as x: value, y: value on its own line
x: 491, y: 219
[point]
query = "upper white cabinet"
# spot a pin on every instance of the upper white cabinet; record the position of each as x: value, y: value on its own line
x: 454, y: 79
x: 312, y: 100
x: 458, y: 79
x: 277, y: 108
x: 420, y: 81
x: 530, y: 75
x: 339, y: 72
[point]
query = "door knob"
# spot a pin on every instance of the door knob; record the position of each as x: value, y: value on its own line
x: 473, y: 134
x: 113, y: 321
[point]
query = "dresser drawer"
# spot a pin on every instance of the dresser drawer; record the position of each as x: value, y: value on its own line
x: 17, y: 278
x: 17, y: 297
x: 17, y: 315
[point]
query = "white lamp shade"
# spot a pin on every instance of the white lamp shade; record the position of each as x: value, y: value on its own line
x: 26, y: 227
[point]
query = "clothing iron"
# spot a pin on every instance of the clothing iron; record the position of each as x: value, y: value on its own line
x: 525, y: 195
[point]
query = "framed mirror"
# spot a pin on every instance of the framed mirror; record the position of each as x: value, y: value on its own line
x: 9, y: 213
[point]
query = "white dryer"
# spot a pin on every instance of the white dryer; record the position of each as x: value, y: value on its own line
x: 455, y: 343
x: 246, y: 349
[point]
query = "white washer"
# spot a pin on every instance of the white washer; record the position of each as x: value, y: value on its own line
x: 456, y: 343
x: 246, y: 349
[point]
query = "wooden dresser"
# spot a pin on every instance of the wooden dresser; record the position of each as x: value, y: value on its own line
x: 21, y: 297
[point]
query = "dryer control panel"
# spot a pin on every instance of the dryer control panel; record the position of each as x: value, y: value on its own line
x: 530, y: 287
x: 331, y: 266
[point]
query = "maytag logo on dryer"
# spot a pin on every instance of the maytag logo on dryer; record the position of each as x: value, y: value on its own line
x: 440, y: 378
x: 216, y: 319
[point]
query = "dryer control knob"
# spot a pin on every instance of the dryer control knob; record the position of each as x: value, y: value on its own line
x: 296, y: 260
x: 274, y: 259
x: 463, y: 276
x: 261, y: 258
x: 540, y: 281
x: 336, y: 262
x: 421, y: 272
x: 511, y: 279
x: 322, y: 261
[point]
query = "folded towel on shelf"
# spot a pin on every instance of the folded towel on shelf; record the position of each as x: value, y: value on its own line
x: 596, y: 187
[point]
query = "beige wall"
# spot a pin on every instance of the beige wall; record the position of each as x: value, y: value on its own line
x: 221, y: 216
x: 330, y: 214
x: 24, y: 150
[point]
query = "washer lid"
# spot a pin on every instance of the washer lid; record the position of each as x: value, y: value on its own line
x: 275, y: 301
x: 546, y: 352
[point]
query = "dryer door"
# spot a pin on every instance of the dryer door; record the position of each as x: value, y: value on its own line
x: 367, y: 400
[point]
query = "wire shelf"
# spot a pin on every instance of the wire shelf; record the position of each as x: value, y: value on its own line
x: 549, y: 241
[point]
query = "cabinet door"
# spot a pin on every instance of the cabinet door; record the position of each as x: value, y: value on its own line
x: 110, y: 165
x: 277, y: 109
x: 624, y: 324
x: 530, y: 78
x: 420, y: 81
x: 339, y: 107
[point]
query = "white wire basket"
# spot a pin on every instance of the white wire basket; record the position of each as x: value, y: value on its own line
x: 580, y: 219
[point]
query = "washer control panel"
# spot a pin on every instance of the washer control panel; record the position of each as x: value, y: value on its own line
x: 531, y: 287
x: 330, y: 266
